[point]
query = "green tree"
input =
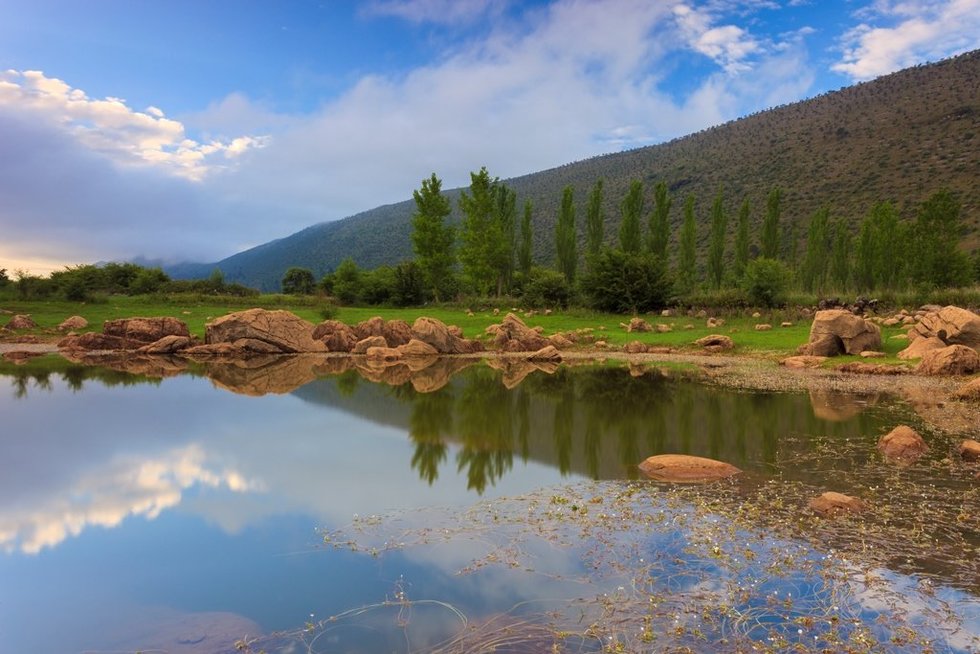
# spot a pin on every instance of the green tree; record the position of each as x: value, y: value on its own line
x: 626, y: 282
x: 889, y: 241
x: 766, y: 281
x: 770, y: 226
x: 813, y: 275
x: 347, y: 282
x: 632, y: 209
x: 864, y: 257
x: 480, y: 234
x: 409, y: 287
x: 565, y: 236
x: 716, y: 248
x: 687, y: 259
x: 4, y: 280
x: 148, y: 280
x: 298, y: 281
x: 547, y: 288
x: 595, y: 222
x: 742, y: 240
x: 840, y: 257
x: 432, y: 238
x: 937, y: 233
x: 659, y: 234
x: 503, y: 253
x: 525, y: 251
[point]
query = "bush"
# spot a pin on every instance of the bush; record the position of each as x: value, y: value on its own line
x: 546, y: 288
x: 622, y: 282
x: 298, y: 281
x: 766, y: 282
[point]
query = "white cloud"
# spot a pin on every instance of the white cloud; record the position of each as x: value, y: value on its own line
x: 915, y: 31
x: 110, y: 127
x: 727, y: 45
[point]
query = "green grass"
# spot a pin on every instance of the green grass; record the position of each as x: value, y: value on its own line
x: 196, y: 311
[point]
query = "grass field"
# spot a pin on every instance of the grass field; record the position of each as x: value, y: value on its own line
x: 196, y: 311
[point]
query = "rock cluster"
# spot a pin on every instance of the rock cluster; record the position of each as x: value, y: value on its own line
x: 512, y: 335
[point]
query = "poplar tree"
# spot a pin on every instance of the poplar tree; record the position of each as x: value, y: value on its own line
x: 480, y: 233
x: 594, y: 222
x: 814, y: 271
x: 432, y: 238
x: 524, y: 251
x: 565, y: 236
x: 840, y: 258
x: 742, y: 240
x: 716, y: 248
x: 687, y: 262
x: 505, y: 216
x: 632, y: 209
x: 659, y: 233
x: 770, y: 226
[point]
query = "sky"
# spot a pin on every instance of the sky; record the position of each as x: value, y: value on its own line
x: 189, y: 130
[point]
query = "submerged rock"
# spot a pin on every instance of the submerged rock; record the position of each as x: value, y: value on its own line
x: 831, y: 504
x: 902, y: 444
x: 684, y: 468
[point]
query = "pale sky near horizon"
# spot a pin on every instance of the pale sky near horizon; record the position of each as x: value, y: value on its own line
x: 191, y: 130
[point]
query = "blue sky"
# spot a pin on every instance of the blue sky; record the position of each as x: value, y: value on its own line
x: 190, y: 130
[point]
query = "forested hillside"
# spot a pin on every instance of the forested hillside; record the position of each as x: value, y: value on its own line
x: 898, y: 138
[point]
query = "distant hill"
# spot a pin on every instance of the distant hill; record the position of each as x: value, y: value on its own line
x: 900, y: 138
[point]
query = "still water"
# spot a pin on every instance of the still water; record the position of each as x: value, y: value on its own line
x: 188, y: 513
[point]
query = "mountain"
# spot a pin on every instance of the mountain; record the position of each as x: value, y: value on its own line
x: 899, y: 138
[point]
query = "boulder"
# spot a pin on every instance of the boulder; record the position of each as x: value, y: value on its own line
x: 664, y: 328
x: 373, y: 326
x: 902, y: 444
x: 94, y: 341
x: 635, y: 347
x: 802, y: 361
x: 560, y: 341
x: 417, y: 348
x: 950, y: 360
x: 368, y: 342
x: 282, y: 330
x: 970, y: 449
x: 385, y: 354
x: 918, y: 347
x: 715, y: 342
x: 167, y: 345
x: 639, y: 325
x: 399, y: 332
x: 714, y: 323
x: 841, y: 330
x: 145, y: 330
x: 512, y: 335
x: 21, y: 321
x: 831, y: 504
x: 438, y: 335
x: 548, y: 353
x: 969, y: 391
x: 336, y: 336
x: 683, y: 468
x: 72, y: 323
x: 952, y: 325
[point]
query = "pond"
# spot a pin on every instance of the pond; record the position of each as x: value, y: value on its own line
x: 305, y: 505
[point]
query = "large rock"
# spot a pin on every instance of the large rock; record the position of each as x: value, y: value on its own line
x: 715, y: 342
x: 639, y: 325
x: 969, y: 391
x: 336, y: 336
x: 841, y: 330
x: 951, y: 360
x: 373, y: 326
x: 417, y: 348
x: 918, y: 347
x: 72, y: 323
x: 399, y: 332
x: 970, y: 449
x: 952, y: 325
x: 438, y: 335
x: 512, y: 335
x: 635, y: 347
x: 902, y: 444
x: 167, y: 345
x: 683, y: 468
x: 94, y: 341
x: 368, y: 342
x: 21, y: 321
x: 831, y: 504
x: 145, y: 330
x: 284, y: 331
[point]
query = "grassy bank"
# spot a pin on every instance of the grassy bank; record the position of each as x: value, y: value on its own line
x: 196, y: 311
